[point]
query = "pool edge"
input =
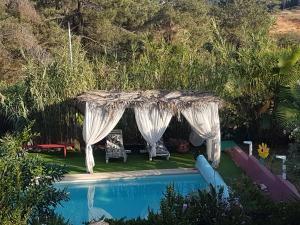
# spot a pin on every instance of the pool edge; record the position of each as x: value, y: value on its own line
x: 124, y: 174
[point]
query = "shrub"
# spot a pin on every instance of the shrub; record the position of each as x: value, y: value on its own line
x: 246, y: 205
x: 201, y: 207
x: 27, y: 193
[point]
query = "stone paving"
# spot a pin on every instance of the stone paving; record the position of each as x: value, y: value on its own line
x: 125, y: 174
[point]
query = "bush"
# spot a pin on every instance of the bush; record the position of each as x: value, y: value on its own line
x: 246, y: 205
x: 27, y: 193
x: 293, y: 164
x: 201, y: 207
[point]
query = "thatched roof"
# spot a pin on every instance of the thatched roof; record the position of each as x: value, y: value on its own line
x: 175, y: 100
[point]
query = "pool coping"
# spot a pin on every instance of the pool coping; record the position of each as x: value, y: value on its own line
x: 125, y: 174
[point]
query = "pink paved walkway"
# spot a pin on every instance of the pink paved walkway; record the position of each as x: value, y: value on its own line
x: 278, y: 188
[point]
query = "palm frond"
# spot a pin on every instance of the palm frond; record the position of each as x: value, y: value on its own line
x: 286, y: 62
x: 288, y: 116
x: 295, y: 92
x: 285, y: 94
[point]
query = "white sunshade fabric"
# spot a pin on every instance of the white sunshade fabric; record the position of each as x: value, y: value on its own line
x: 205, y: 122
x: 195, y: 139
x: 98, y: 123
x: 152, y: 122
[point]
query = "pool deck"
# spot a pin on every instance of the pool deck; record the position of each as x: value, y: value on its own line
x: 125, y: 174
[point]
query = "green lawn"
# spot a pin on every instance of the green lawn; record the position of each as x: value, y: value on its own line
x: 228, y: 170
x: 75, y: 163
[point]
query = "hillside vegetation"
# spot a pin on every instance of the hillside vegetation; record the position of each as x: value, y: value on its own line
x: 235, y: 49
x: 224, y: 48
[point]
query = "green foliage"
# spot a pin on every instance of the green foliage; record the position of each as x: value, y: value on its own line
x: 261, y: 209
x: 223, y: 47
x: 287, y: 62
x: 59, y: 80
x: 53, y: 220
x: 251, y: 86
x: 26, y: 183
x: 13, y: 105
x: 293, y: 163
x: 242, y: 20
x: 13, y: 145
x: 246, y: 206
x: 288, y: 110
x: 159, y: 66
x: 171, y: 207
x: 201, y: 207
x: 288, y: 114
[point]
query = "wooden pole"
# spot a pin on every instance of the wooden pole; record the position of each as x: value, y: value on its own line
x: 70, y: 45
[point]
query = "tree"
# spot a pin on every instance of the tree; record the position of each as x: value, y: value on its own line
x: 241, y: 20
x: 288, y: 110
x: 288, y: 115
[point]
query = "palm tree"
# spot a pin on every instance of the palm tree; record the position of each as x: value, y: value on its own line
x: 288, y: 114
x: 288, y: 110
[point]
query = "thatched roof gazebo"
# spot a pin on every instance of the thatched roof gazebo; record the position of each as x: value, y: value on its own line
x: 153, y: 111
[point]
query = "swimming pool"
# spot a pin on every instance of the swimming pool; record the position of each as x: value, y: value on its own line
x: 125, y: 197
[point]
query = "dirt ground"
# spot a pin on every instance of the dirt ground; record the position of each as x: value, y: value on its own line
x: 288, y: 22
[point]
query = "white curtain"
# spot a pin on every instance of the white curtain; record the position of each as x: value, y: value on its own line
x: 152, y: 123
x: 98, y: 123
x: 205, y: 122
x: 195, y: 139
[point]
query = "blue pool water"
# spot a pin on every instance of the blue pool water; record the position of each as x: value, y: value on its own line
x: 122, y: 198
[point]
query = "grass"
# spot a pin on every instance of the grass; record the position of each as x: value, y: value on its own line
x: 75, y: 163
x: 228, y: 170
x: 274, y: 165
